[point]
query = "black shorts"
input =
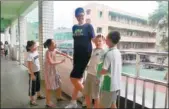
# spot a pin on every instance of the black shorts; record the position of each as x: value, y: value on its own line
x: 6, y: 52
x: 80, y: 61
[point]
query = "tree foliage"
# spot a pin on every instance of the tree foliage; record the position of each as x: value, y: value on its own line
x: 160, y: 13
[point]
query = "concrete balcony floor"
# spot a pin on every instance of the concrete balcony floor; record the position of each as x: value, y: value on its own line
x: 14, y: 87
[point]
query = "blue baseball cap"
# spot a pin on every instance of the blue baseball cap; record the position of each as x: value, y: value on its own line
x: 78, y: 11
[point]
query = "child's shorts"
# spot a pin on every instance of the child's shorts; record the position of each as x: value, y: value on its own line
x: 91, y: 87
x: 108, y: 98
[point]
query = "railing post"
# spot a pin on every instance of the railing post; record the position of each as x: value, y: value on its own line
x: 154, y: 95
x: 143, y: 96
x: 119, y: 99
x: 166, y: 98
x: 137, y: 65
x: 126, y: 92
x: 137, y: 75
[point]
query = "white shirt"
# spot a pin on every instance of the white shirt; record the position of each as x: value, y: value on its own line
x: 113, y: 63
x: 6, y: 46
x: 34, y: 57
x: 96, y: 58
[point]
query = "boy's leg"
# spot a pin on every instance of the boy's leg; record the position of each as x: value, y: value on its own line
x: 32, y: 91
x: 39, y: 96
x: 96, y: 103
x: 87, y: 91
x: 78, y: 86
x: 95, y: 92
x: 107, y: 98
x: 77, y: 83
x: 37, y: 75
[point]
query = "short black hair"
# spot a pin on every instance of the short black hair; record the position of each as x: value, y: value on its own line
x: 6, y: 42
x: 29, y: 44
x: 114, y: 36
x: 47, y: 43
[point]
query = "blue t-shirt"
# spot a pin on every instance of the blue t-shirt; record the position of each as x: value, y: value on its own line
x: 82, y: 35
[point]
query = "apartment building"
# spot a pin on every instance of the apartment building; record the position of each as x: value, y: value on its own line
x: 136, y: 34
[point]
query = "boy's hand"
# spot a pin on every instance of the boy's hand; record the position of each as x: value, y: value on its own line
x: 32, y: 77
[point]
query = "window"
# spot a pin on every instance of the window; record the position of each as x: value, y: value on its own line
x: 100, y: 14
x: 88, y: 11
x: 99, y: 30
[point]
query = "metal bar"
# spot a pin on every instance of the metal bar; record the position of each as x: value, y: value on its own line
x: 126, y: 92
x: 147, y: 80
x: 166, y: 98
x: 134, y: 95
x: 134, y: 52
x: 143, y: 95
x: 119, y: 99
x: 154, y: 96
x: 137, y: 65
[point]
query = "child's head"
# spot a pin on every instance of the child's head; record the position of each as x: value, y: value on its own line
x: 99, y: 41
x: 113, y: 38
x: 6, y: 42
x: 50, y: 44
x: 31, y: 46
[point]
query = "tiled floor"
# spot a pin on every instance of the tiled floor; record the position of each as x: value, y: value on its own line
x: 14, y: 87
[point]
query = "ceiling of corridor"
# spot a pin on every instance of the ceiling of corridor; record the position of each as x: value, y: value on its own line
x: 10, y: 10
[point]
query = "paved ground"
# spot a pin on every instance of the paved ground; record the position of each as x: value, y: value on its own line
x: 14, y: 87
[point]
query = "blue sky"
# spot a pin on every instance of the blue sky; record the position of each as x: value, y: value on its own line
x: 64, y: 10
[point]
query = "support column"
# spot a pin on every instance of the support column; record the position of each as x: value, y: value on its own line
x: 46, y: 13
x: 7, y: 35
x: 22, y: 38
x: 13, y: 54
x: 13, y: 35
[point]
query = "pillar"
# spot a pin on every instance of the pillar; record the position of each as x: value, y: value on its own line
x: 22, y: 38
x: 46, y: 13
x: 7, y: 35
x: 13, y: 35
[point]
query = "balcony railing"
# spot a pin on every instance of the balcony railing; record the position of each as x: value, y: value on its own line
x: 144, y: 80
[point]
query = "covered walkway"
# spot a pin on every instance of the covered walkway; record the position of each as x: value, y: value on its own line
x: 14, y: 87
x: 14, y: 77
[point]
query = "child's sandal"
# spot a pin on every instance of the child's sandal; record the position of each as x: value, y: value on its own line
x: 33, y: 103
x: 40, y: 97
x: 50, y: 105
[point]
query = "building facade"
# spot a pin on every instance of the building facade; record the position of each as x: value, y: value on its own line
x: 136, y: 34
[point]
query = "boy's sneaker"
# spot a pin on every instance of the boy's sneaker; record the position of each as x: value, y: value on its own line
x: 72, y: 105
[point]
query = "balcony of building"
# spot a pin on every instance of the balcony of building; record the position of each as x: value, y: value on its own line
x: 141, y: 88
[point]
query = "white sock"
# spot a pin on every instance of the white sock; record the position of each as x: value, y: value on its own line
x: 73, y: 101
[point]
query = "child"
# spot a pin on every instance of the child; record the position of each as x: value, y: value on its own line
x: 91, y: 87
x: 52, y: 78
x: 6, y: 47
x: 34, y: 72
x: 111, y: 70
x: 2, y: 49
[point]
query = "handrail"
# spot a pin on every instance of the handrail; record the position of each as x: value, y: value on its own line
x: 137, y: 77
x: 163, y: 83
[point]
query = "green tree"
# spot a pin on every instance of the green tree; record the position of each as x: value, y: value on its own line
x: 159, y: 20
x: 160, y: 13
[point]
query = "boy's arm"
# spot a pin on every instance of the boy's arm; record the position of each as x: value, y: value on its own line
x: 106, y: 65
